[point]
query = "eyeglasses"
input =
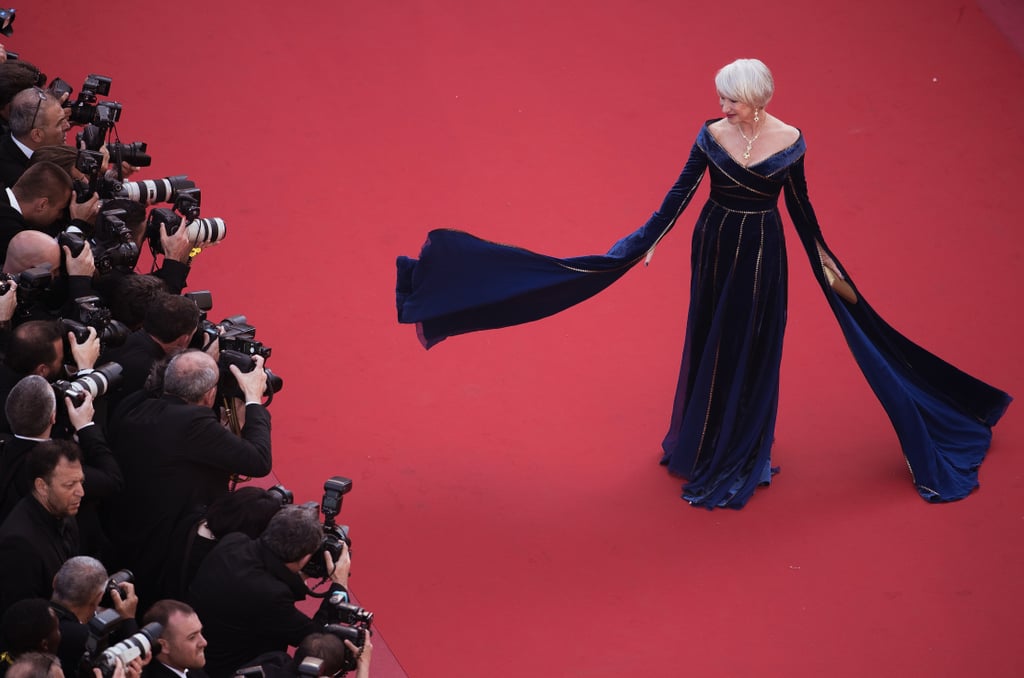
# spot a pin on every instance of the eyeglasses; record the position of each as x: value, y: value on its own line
x: 42, y: 98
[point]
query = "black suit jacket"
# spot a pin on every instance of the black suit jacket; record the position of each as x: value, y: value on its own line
x: 33, y: 546
x: 13, y: 161
x: 14, y: 481
x: 11, y: 222
x: 136, y: 356
x: 246, y: 598
x: 176, y: 458
x: 102, y: 480
x: 156, y: 669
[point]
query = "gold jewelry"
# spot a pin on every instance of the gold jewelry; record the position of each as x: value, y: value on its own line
x: 750, y: 141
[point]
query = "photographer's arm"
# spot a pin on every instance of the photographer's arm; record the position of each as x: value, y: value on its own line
x: 175, y: 266
x: 363, y: 661
x: 213, y: 445
x: 80, y: 271
x: 339, y: 574
x: 174, y: 274
x: 102, y: 472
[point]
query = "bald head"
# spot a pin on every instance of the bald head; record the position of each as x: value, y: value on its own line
x: 29, y: 249
x: 192, y: 376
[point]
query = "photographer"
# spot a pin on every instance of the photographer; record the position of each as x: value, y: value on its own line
x: 177, y: 458
x: 33, y: 250
x: 36, y: 119
x: 167, y: 328
x: 247, y: 510
x: 246, y: 590
x: 31, y: 411
x: 37, y: 347
x: 79, y: 215
x: 15, y: 76
x: 38, y: 201
x: 78, y: 589
x: 331, y: 651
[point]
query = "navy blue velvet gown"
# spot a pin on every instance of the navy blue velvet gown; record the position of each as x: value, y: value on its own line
x: 723, y: 417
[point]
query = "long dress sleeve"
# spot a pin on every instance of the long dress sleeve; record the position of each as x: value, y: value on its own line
x: 942, y: 415
x: 462, y: 283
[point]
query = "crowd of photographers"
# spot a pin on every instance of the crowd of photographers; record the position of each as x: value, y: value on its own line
x: 128, y: 420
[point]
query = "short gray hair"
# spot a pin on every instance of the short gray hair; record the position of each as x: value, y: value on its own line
x: 30, y: 406
x: 26, y: 105
x: 78, y: 580
x: 190, y: 374
x: 746, y: 80
x: 33, y: 665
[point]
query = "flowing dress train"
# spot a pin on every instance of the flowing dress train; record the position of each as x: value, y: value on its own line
x: 723, y: 418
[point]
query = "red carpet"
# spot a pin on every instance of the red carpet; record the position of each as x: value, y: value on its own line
x: 508, y: 512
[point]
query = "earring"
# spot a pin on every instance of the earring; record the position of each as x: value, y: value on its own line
x: 756, y: 118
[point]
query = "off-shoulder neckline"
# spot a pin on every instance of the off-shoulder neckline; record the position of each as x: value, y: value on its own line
x: 707, y: 125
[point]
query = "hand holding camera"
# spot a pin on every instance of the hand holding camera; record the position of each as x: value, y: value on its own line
x: 86, y: 210
x: 83, y: 264
x: 176, y: 246
x: 82, y: 414
x: 86, y: 352
x: 339, y: 570
x: 9, y: 301
x: 124, y: 600
x: 252, y: 383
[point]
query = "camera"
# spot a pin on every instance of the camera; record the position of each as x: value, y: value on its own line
x: 59, y: 87
x: 96, y: 383
x: 116, y: 583
x: 355, y: 635
x: 335, y: 488
x: 34, y: 285
x: 150, y: 191
x: 90, y: 163
x: 348, y: 622
x: 100, y: 655
x: 201, y: 231
x: 85, y: 111
x: 234, y: 332
x: 238, y: 335
x: 207, y: 332
x: 310, y: 666
x: 228, y: 386
x: 30, y: 282
x: 284, y: 494
x: 133, y: 154
x: 113, y: 246
x: 7, y: 24
x: 90, y: 312
x: 342, y: 612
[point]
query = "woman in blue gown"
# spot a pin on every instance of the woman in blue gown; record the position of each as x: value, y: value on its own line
x: 723, y: 418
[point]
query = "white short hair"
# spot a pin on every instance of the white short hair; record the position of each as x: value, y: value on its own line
x: 746, y: 80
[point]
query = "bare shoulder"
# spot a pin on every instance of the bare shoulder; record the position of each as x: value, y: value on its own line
x: 785, y: 134
x: 717, y: 128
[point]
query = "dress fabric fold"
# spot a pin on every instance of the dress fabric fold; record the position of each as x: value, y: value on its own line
x: 722, y: 423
